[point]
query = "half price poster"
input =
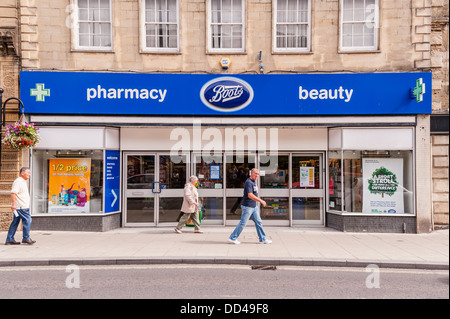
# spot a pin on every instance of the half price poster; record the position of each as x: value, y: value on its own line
x: 69, y: 185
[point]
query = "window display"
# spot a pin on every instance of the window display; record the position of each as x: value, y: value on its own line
x: 67, y: 181
x: 373, y: 182
x: 274, y: 171
x: 210, y: 175
x: 238, y: 169
x: 305, y: 172
x: 276, y: 208
x: 334, y: 181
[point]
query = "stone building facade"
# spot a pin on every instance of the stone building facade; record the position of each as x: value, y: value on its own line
x: 412, y: 37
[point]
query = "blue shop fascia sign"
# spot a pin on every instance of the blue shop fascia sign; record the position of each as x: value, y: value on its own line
x: 81, y: 93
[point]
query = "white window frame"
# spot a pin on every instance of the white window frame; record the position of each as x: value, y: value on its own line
x: 274, y: 31
x: 373, y: 24
x: 209, y: 31
x: 143, y: 32
x: 75, y: 27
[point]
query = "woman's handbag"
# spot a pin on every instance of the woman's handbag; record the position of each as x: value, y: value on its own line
x: 190, y: 222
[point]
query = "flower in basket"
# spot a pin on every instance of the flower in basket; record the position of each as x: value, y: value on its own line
x: 21, y: 135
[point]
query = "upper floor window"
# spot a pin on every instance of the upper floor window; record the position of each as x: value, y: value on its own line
x: 292, y: 25
x: 226, y: 27
x: 359, y: 25
x: 159, y: 30
x: 93, y: 25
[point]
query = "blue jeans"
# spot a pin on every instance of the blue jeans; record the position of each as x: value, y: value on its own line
x: 253, y: 214
x: 24, y: 215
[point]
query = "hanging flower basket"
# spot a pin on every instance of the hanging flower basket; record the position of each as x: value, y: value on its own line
x: 21, y: 135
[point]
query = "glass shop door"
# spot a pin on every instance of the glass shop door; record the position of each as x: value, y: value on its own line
x: 154, y: 188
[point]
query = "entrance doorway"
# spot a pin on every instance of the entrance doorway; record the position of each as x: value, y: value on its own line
x: 154, y: 186
x: 291, y: 183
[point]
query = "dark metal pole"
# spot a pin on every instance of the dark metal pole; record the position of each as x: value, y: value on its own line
x: 21, y: 108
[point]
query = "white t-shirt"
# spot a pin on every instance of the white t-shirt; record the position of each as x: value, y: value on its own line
x: 20, y: 188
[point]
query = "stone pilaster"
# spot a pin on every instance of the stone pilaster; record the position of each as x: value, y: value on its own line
x: 29, y: 34
x: 421, y: 33
x: 9, y: 82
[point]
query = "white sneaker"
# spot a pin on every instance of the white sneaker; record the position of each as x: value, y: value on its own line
x: 233, y: 241
x: 267, y: 241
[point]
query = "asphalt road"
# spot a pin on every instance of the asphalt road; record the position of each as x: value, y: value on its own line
x: 203, y: 282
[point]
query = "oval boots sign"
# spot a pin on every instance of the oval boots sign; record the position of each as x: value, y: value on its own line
x: 226, y: 94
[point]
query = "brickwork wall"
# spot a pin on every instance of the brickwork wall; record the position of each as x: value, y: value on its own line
x: 78, y: 223
x: 372, y: 224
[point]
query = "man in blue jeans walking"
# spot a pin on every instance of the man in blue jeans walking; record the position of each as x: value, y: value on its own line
x: 20, y: 205
x: 250, y: 210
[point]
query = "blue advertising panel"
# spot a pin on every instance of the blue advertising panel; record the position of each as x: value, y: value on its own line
x: 214, y: 94
x: 112, y: 181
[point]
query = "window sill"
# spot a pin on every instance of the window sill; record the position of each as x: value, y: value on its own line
x: 91, y: 51
x: 359, y: 214
x: 358, y: 52
x: 292, y: 53
x: 160, y: 52
x: 226, y: 53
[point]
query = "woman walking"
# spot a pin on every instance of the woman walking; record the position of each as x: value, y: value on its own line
x: 190, y: 206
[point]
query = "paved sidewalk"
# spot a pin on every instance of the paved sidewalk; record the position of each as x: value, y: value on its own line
x: 291, y: 246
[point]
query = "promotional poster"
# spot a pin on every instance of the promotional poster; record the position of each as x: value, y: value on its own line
x: 383, y: 185
x: 306, y: 176
x: 69, y: 185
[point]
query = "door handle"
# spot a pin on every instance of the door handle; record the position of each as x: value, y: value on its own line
x: 156, y: 190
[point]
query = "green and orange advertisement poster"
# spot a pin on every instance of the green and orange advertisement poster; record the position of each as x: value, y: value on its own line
x: 69, y: 185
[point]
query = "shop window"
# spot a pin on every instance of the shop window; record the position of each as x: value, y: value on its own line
x: 277, y: 208
x: 274, y: 171
x: 238, y: 169
x: 373, y: 182
x: 306, y: 172
x: 233, y: 208
x: 306, y: 208
x: 212, y: 208
x: 92, y: 28
x: 209, y: 173
x: 334, y: 181
x: 67, y: 182
x: 169, y: 208
x: 141, y: 210
x: 172, y: 174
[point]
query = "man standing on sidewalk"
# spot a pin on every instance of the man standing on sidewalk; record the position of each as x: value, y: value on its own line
x: 250, y: 210
x: 20, y: 205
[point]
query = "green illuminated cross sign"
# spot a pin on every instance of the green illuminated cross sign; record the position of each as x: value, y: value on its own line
x: 419, y: 90
x: 40, y: 92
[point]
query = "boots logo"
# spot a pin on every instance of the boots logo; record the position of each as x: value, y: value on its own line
x: 226, y: 94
